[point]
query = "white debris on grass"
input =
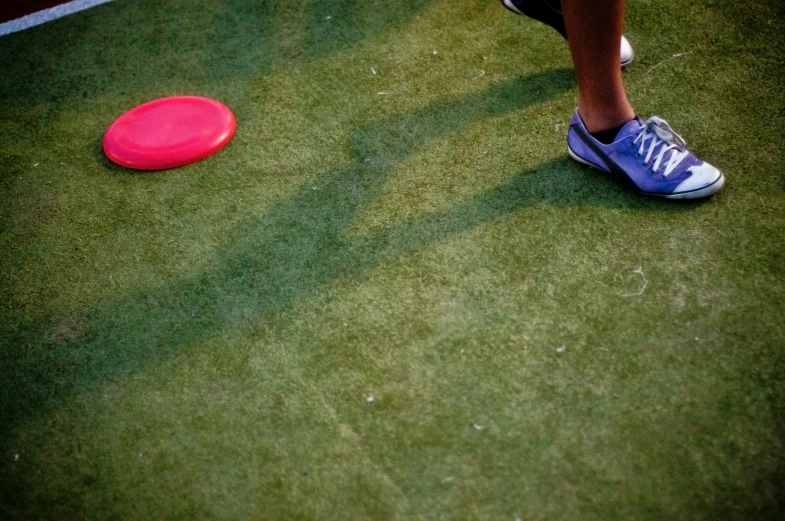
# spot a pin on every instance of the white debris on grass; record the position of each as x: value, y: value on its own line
x: 373, y: 71
x: 448, y: 479
x: 482, y: 73
x: 561, y: 349
x: 435, y: 52
x: 381, y: 93
x: 16, y: 457
x: 477, y: 427
x: 369, y: 399
x: 677, y: 55
x: 328, y: 17
x: 639, y: 271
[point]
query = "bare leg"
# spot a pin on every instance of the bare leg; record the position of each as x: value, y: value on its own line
x: 595, y: 28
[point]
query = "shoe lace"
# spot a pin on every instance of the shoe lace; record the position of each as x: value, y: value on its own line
x: 658, y: 133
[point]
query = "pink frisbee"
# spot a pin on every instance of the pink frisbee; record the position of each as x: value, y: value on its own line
x: 169, y: 132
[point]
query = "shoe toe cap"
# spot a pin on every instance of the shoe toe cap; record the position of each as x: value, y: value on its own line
x: 704, y: 180
x: 627, y: 54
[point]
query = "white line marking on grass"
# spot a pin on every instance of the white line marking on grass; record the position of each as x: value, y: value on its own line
x: 48, y: 15
x: 639, y: 271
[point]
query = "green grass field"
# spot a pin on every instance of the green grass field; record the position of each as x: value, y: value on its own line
x: 393, y: 296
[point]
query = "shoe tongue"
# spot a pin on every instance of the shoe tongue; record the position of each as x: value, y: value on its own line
x: 630, y: 128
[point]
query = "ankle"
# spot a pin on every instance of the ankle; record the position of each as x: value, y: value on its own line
x: 601, y: 119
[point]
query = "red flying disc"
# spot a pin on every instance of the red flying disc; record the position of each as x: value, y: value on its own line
x: 169, y: 132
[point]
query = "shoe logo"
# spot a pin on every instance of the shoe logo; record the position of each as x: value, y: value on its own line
x: 615, y: 169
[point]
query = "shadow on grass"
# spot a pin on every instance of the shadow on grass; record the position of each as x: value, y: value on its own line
x: 151, y: 49
x: 281, y: 258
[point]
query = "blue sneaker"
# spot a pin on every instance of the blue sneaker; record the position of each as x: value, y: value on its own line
x: 549, y: 12
x: 545, y: 11
x: 649, y: 156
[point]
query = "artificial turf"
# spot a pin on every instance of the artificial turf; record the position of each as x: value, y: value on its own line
x: 392, y: 295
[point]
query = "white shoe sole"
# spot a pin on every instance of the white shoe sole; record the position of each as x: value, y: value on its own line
x: 712, y: 189
x: 627, y: 54
x: 509, y: 5
x: 706, y: 191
